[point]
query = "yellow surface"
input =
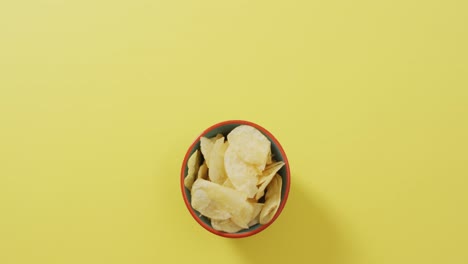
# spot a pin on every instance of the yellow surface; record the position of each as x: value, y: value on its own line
x: 99, y: 101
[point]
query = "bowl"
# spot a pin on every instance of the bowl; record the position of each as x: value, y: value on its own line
x: 276, y: 150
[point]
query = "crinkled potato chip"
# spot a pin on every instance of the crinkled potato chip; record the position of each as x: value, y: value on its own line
x: 270, y: 169
x: 206, y: 146
x: 218, y: 136
x: 193, y: 165
x: 203, y: 203
x: 244, y: 215
x: 251, y: 200
x: 259, y: 194
x: 272, y: 200
x: 225, y: 225
x: 228, y: 183
x: 242, y: 175
x: 203, y: 171
x: 256, y: 214
x: 218, y: 202
x: 229, y: 226
x: 267, y: 176
x: 217, y: 172
x: 269, y: 158
x: 250, y: 145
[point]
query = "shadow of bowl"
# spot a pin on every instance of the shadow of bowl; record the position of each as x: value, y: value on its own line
x: 305, y: 233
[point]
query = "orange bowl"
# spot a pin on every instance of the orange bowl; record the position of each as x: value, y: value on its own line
x: 277, y: 151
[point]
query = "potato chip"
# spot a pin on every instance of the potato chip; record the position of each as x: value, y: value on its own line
x: 251, y: 200
x: 272, y: 200
x: 267, y: 176
x: 206, y: 146
x: 269, y: 158
x: 242, y: 175
x: 229, y: 226
x: 219, y: 202
x: 244, y: 215
x: 203, y: 171
x: 270, y: 169
x: 217, y: 172
x: 256, y: 214
x: 193, y: 165
x: 250, y: 145
x: 228, y: 183
x: 203, y: 202
x: 259, y: 194
x: 218, y: 136
x: 226, y: 225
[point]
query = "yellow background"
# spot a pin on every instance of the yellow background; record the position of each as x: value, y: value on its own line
x: 99, y: 100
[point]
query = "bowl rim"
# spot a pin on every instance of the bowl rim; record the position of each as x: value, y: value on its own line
x: 283, y: 201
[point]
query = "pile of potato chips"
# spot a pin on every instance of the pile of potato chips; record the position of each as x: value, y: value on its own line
x: 234, y: 176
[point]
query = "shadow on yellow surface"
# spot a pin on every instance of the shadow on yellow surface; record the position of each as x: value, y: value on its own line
x: 304, y: 231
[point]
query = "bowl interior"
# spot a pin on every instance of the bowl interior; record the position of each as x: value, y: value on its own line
x: 276, y: 153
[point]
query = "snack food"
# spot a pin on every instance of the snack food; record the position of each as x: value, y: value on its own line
x: 193, y: 166
x: 228, y: 181
x: 272, y: 200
